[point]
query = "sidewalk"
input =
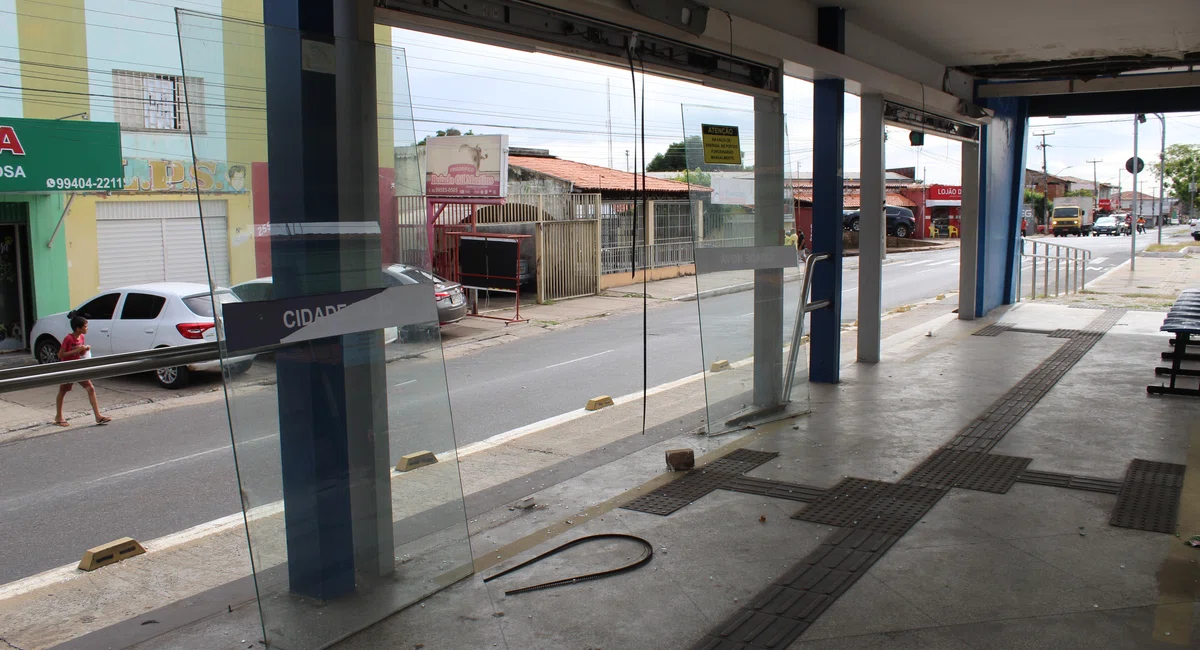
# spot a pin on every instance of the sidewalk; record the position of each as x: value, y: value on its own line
x: 539, y: 460
x: 1035, y: 563
x: 1153, y: 285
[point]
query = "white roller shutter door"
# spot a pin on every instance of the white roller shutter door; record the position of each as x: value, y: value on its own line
x: 155, y: 241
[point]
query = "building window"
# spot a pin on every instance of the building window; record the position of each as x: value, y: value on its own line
x: 146, y: 101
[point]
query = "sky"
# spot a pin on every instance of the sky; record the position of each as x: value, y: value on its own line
x: 551, y: 102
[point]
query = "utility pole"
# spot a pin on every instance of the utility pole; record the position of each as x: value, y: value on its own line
x: 608, y: 95
x: 1095, y: 180
x: 626, y: 160
x: 1162, y: 173
x: 1045, y: 172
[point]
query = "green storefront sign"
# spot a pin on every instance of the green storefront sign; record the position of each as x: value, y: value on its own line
x: 57, y: 155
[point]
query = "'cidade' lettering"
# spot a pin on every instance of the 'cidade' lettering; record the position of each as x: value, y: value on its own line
x: 294, y: 318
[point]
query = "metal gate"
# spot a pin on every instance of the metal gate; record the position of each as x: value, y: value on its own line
x: 568, y: 259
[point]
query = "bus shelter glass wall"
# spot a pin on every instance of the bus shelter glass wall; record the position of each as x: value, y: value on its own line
x: 720, y: 147
x: 345, y: 524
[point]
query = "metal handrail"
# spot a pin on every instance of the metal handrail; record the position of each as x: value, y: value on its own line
x: 1075, y: 259
x: 114, y: 365
x: 803, y: 307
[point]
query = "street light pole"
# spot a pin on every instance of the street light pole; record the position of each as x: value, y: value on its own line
x: 1162, y: 173
x: 1133, y: 219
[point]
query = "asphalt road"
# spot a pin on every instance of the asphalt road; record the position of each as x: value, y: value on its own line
x: 151, y: 475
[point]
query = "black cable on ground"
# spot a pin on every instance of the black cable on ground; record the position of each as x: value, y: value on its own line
x: 647, y: 554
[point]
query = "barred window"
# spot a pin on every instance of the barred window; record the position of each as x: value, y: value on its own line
x: 147, y: 101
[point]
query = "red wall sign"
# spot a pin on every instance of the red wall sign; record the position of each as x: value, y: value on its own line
x: 945, y: 192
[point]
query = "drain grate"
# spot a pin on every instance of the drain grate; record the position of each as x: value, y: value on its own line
x: 994, y: 473
x: 1149, y: 497
x: 841, y: 504
x: 777, y: 489
x: 699, y: 482
x: 1069, y: 481
x: 995, y: 329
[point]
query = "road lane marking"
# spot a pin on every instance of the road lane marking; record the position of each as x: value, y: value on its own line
x: 179, y: 459
x: 590, y: 356
x: 944, y: 262
x: 405, y: 383
x: 1097, y: 260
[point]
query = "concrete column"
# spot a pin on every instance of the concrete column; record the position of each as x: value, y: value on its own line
x: 872, y: 230
x: 829, y: 104
x: 768, y: 231
x: 699, y: 224
x: 322, y: 141
x: 969, y: 232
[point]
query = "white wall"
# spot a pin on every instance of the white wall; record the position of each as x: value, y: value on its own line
x: 10, y: 73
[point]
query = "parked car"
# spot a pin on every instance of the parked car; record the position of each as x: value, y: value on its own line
x: 1109, y: 226
x: 1195, y: 230
x: 144, y: 317
x: 900, y: 221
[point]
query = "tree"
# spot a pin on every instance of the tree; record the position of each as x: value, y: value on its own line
x: 1087, y: 193
x: 681, y: 155
x: 1037, y: 201
x: 446, y: 132
x: 694, y: 177
x: 1182, y: 169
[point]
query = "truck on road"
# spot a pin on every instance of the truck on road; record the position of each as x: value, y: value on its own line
x: 1073, y: 215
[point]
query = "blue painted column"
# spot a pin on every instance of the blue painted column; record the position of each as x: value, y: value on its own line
x: 1001, y: 198
x: 321, y: 144
x: 828, y: 117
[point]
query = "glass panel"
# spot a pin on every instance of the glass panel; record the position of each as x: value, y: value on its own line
x: 720, y: 154
x: 339, y: 539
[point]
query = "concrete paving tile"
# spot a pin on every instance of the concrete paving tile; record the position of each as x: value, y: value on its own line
x: 932, y: 639
x: 869, y: 607
x: 978, y: 582
x: 1119, y: 629
x: 941, y: 527
x: 462, y: 616
x: 1118, y: 566
x: 1031, y: 510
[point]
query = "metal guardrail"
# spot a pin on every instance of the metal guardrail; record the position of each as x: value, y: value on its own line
x: 802, y: 308
x: 1070, y: 267
x: 114, y: 365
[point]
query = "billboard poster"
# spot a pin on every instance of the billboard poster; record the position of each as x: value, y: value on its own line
x: 467, y: 166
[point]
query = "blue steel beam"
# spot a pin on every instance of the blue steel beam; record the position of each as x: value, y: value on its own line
x: 828, y: 141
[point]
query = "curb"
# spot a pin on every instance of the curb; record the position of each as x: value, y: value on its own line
x: 723, y: 291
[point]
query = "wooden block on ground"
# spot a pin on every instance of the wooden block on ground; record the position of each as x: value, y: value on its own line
x: 718, y: 366
x: 597, y: 403
x: 110, y: 553
x: 413, y: 461
x: 680, y: 459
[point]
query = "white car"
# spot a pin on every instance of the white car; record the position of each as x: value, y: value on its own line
x: 1196, y: 230
x: 143, y: 317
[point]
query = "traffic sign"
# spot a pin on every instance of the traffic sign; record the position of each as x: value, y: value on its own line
x: 1141, y: 164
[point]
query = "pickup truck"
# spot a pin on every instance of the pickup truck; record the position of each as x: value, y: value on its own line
x: 1073, y: 215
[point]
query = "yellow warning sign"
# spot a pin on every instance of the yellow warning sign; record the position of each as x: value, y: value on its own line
x: 721, y: 145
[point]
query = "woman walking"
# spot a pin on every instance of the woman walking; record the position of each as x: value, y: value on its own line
x: 74, y: 347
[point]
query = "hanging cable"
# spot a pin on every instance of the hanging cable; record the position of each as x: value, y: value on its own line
x: 640, y: 203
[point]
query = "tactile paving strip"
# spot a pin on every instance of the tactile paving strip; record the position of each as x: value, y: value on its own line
x: 898, y: 508
x: 995, y: 329
x: 994, y: 473
x: 784, y: 610
x: 699, y: 482
x: 777, y: 489
x: 943, y: 468
x: 841, y: 504
x: 781, y: 613
x: 1064, y: 334
x: 1069, y: 481
x: 1149, y: 496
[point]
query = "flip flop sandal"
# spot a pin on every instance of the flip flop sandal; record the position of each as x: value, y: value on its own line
x: 103, y: 421
x: 62, y: 423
